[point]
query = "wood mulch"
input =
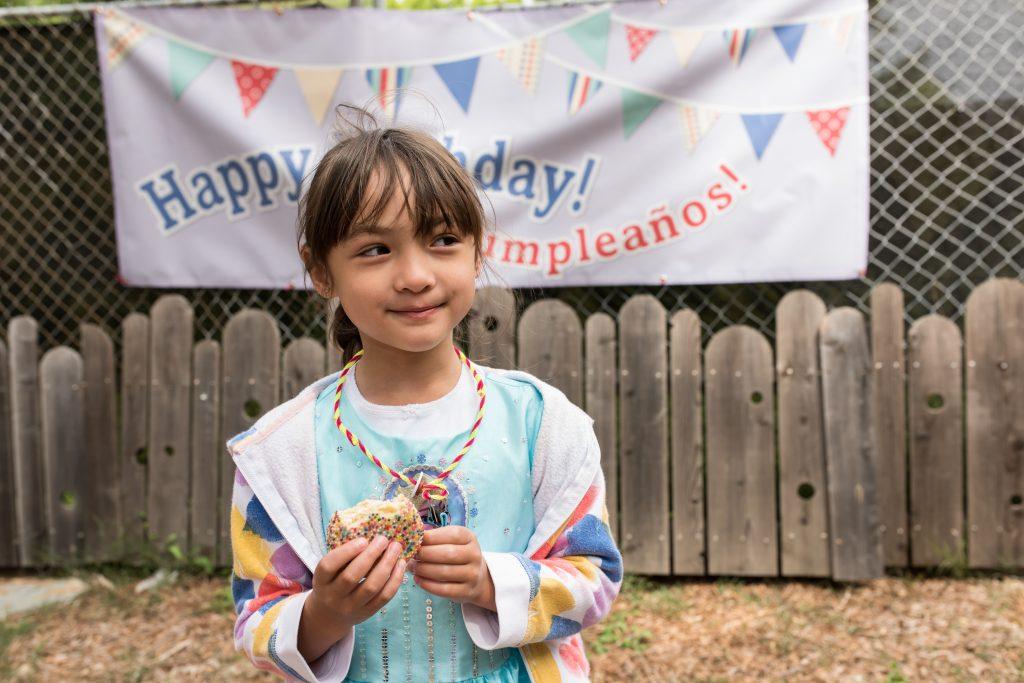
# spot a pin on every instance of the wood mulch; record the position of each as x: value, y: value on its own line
x: 911, y: 628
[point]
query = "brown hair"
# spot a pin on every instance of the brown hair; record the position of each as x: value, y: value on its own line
x: 433, y: 183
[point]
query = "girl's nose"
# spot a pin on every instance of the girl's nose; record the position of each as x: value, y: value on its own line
x: 415, y: 272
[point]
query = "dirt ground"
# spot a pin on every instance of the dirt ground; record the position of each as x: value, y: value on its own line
x: 910, y: 628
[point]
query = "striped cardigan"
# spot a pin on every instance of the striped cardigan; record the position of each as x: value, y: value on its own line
x: 564, y: 581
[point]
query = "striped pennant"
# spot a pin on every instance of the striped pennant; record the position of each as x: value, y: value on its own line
x: 581, y: 89
x: 738, y: 41
x: 840, y: 29
x: 638, y: 39
x: 523, y: 60
x: 697, y: 121
x: 386, y: 83
x: 122, y: 37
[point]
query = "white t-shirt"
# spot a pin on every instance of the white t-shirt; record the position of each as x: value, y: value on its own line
x: 447, y: 416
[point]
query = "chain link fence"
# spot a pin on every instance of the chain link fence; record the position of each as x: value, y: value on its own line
x: 947, y: 181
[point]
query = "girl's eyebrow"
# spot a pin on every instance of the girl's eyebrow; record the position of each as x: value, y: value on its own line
x: 368, y: 230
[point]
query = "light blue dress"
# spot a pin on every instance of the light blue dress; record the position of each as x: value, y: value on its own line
x: 418, y: 636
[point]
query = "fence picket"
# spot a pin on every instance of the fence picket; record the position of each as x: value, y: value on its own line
x: 26, y: 445
x: 888, y: 420
x: 994, y: 334
x: 207, y: 449
x: 63, y: 439
x: 170, y: 355
x: 853, y: 502
x: 688, y: 538
x: 492, y: 328
x: 645, y: 536
x: 742, y: 534
x: 803, y: 494
x: 101, y: 503
x: 551, y: 346
x: 250, y: 387
x: 936, y: 443
x: 600, y: 388
x: 134, y: 432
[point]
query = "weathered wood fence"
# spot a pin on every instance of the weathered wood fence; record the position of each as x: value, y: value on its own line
x: 843, y: 451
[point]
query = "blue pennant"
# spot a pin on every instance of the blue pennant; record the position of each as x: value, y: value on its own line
x: 790, y: 37
x: 761, y: 128
x: 460, y: 78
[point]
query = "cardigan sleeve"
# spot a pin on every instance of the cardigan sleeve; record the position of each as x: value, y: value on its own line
x: 569, y: 583
x: 269, y: 586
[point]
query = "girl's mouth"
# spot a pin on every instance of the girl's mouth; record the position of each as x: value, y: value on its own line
x: 419, y: 315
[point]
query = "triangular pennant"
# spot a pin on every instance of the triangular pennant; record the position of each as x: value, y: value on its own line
x: 638, y: 38
x: 581, y: 89
x: 186, y: 65
x: 840, y: 29
x: 697, y: 121
x: 523, y: 60
x: 122, y: 37
x: 790, y: 37
x: 318, y: 86
x: 829, y: 124
x: 686, y: 41
x: 460, y: 77
x: 386, y: 83
x: 591, y: 35
x: 253, y: 81
x: 738, y: 41
x: 636, y: 107
x: 761, y: 128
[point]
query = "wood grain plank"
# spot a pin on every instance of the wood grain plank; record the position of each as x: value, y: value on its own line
x: 888, y: 417
x: 134, y: 433
x: 492, y: 328
x: 207, y: 449
x: 853, y: 497
x: 63, y: 440
x: 101, y: 505
x: 551, y: 346
x: 170, y: 353
x: 936, y: 444
x: 643, y: 404
x: 250, y: 387
x: 26, y: 442
x: 302, y: 364
x: 994, y: 335
x: 600, y: 403
x: 742, y: 533
x: 689, y: 557
x: 803, y: 488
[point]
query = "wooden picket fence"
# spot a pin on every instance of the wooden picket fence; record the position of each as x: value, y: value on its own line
x: 841, y: 452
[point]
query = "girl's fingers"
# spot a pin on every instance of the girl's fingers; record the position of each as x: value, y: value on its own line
x: 458, y: 535
x: 452, y: 573
x: 378, y: 576
x: 440, y: 588
x: 361, y: 564
x: 391, y: 587
x: 444, y: 554
x: 336, y: 559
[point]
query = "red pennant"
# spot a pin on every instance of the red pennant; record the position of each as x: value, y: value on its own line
x: 828, y: 124
x: 638, y: 39
x: 253, y: 81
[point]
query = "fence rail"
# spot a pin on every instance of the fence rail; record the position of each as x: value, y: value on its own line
x: 890, y: 453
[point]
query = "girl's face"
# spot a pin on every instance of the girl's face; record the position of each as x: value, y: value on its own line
x: 383, y: 270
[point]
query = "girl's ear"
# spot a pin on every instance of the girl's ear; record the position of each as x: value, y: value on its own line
x: 315, y: 273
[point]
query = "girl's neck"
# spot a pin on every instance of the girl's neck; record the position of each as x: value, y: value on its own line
x: 389, y: 376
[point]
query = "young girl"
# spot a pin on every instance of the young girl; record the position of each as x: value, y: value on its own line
x: 517, y: 557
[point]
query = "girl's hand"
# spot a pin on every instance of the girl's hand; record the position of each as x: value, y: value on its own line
x: 451, y: 565
x: 350, y: 584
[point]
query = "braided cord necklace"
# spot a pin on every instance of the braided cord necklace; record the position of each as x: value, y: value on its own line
x: 433, y: 490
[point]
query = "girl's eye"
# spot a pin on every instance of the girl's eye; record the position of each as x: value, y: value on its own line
x: 448, y: 236
x: 366, y: 252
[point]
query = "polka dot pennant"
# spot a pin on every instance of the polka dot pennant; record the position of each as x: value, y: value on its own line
x: 638, y: 38
x: 828, y: 124
x: 253, y: 81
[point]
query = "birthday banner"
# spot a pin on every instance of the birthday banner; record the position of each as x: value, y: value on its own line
x: 704, y: 141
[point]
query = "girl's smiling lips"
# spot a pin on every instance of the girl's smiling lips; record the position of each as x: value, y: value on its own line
x: 417, y: 313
